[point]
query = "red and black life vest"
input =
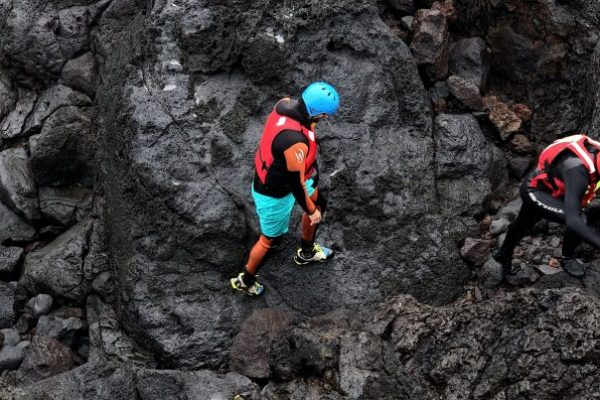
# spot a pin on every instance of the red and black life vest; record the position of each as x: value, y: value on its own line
x: 577, y: 145
x: 277, y: 123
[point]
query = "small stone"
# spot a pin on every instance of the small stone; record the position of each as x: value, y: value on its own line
x: 499, y: 226
x: 521, y: 144
x: 478, y: 296
x: 522, y: 111
x: 477, y: 250
x: 407, y: 21
x: 519, y: 165
x: 554, y: 263
x: 40, y: 304
x: 45, y: 357
x: 505, y: 120
x: 466, y: 92
x: 555, y: 241
x: 487, y: 220
x: 491, y: 274
x: 548, y: 270
x: 447, y: 8
x: 67, y: 331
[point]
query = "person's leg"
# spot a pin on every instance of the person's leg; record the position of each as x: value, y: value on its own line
x: 274, y: 217
x: 527, y: 218
x: 309, y: 251
x: 553, y: 209
x: 258, y: 256
x: 309, y: 232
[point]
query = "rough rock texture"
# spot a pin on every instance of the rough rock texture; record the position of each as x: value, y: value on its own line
x: 58, y: 267
x: 8, y: 97
x: 65, y: 205
x: 514, y: 345
x: 17, y: 187
x: 469, y: 60
x: 98, y: 381
x: 252, y: 360
x: 468, y: 167
x: 63, y: 153
x: 45, y: 357
x: 430, y: 44
x: 465, y: 91
x: 40, y: 305
x: 81, y: 73
x: 7, y: 304
x: 9, y: 259
x: 540, y: 53
x: 185, y: 89
x: 179, y: 217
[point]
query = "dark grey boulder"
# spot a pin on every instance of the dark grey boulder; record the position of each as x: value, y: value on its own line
x: 57, y: 268
x: 17, y: 187
x: 491, y: 273
x: 45, y: 357
x: 464, y: 162
x: 73, y: 32
x: 107, y: 339
x: 470, y: 61
x: 81, y: 73
x: 252, y: 360
x: 8, y: 97
x: 30, y: 40
x: 11, y: 357
x: 9, y: 259
x: 48, y: 102
x: 66, y: 205
x: 430, y: 45
x: 96, y: 267
x: 40, y: 305
x: 66, y: 330
x: 63, y: 153
x: 12, y: 125
x: 11, y: 336
x: 7, y: 305
x: 466, y: 92
x: 477, y: 250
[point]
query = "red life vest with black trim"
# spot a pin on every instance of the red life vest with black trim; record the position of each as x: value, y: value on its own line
x: 577, y: 145
x: 277, y: 123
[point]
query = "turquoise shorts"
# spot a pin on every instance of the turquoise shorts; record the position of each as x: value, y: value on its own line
x: 274, y: 213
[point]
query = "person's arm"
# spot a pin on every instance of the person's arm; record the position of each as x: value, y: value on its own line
x: 294, y: 158
x: 576, y: 184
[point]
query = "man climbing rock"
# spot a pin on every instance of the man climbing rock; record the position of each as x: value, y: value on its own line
x: 564, y: 182
x: 286, y: 172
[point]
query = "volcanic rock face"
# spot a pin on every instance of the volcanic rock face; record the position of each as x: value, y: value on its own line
x: 180, y: 212
x: 518, y: 344
x: 127, y: 133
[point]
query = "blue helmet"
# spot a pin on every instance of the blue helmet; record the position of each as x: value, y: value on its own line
x: 320, y: 98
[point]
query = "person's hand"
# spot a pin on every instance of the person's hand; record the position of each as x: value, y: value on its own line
x: 315, y: 217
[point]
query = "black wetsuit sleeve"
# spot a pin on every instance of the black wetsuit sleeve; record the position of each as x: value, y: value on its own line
x: 576, y: 184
